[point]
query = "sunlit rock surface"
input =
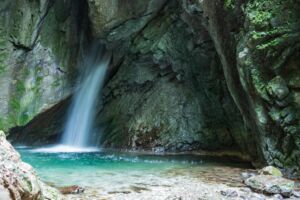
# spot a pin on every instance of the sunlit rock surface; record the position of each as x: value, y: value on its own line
x: 18, y: 180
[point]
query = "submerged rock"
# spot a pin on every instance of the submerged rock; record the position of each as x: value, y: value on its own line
x: 18, y: 180
x: 271, y: 185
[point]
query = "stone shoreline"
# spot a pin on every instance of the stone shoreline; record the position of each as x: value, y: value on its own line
x: 180, y: 189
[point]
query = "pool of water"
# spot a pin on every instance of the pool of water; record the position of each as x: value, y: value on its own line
x: 111, y: 171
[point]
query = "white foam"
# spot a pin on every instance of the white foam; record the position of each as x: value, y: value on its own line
x: 65, y: 149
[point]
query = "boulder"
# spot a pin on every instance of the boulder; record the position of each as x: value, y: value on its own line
x: 271, y: 185
x: 18, y: 180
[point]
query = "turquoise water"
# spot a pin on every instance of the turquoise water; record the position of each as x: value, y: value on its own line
x: 110, y: 169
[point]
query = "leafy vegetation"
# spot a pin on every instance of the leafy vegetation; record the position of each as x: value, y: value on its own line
x: 229, y: 4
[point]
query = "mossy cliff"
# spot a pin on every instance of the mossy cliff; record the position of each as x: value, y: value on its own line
x: 186, y: 74
x: 40, y: 41
x: 259, y: 51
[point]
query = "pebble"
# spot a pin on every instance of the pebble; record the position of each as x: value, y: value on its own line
x: 229, y: 193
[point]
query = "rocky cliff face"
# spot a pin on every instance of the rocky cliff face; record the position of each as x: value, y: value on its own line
x: 40, y: 43
x: 186, y: 74
x: 259, y: 51
x: 18, y: 180
x: 168, y: 91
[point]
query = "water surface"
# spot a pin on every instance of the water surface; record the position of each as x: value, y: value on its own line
x: 110, y: 172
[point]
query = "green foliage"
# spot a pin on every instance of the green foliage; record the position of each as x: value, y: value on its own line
x: 273, y: 43
x: 270, y: 33
x: 258, y: 82
x: 260, y: 18
x: 273, y: 26
x: 260, y: 13
x: 229, y: 4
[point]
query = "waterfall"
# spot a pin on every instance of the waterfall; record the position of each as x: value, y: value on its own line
x: 82, y: 114
x: 78, y: 130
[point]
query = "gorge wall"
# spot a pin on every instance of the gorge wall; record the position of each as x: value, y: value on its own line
x: 259, y: 52
x: 40, y: 44
x: 186, y: 74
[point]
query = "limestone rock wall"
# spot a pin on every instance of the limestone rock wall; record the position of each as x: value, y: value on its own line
x: 259, y: 51
x: 168, y: 91
x: 165, y: 88
x: 40, y: 43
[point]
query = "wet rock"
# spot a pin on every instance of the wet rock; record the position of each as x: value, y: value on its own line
x: 270, y: 170
x: 18, y: 179
x: 271, y: 185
